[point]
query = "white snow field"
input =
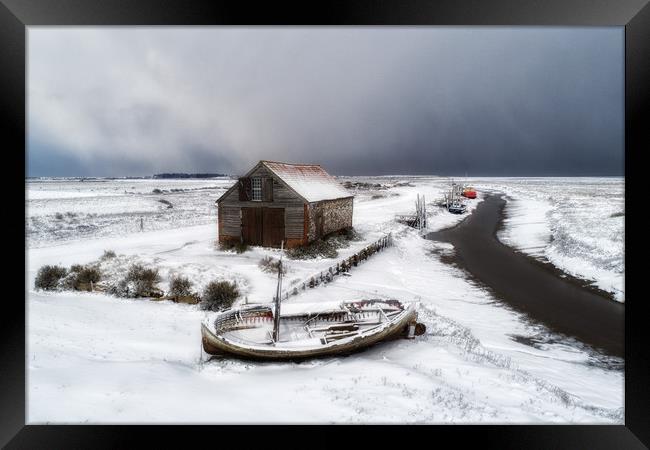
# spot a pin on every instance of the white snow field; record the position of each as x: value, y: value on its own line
x: 94, y: 358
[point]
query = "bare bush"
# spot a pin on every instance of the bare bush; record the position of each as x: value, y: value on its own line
x: 88, y: 274
x: 219, y: 295
x: 138, y: 282
x: 350, y: 234
x: 48, y: 277
x: 271, y: 265
x: 239, y: 247
x: 180, y: 291
x: 180, y: 287
x: 317, y: 249
x: 81, y: 278
x: 108, y: 254
x: 326, y: 247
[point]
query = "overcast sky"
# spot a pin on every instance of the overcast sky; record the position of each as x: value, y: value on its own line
x: 120, y: 101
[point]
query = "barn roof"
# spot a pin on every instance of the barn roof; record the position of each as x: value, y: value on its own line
x: 310, y: 181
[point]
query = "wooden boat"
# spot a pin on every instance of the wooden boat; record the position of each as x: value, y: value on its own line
x: 457, y: 207
x: 469, y: 192
x: 248, y: 331
x: 306, y: 330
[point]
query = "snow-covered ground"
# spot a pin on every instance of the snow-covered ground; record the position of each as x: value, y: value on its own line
x: 99, y: 359
x: 63, y: 210
x: 577, y: 224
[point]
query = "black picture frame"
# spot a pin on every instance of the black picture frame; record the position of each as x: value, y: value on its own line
x: 634, y: 15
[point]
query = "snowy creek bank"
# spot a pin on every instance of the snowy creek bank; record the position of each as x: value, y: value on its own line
x: 575, y: 224
x: 541, y: 292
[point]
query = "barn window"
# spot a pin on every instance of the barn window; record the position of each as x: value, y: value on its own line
x: 257, y: 189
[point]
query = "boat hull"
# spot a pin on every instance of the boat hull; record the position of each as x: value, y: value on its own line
x: 405, y: 326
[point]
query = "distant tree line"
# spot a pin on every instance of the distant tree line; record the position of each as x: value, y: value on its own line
x: 158, y: 175
x: 189, y: 175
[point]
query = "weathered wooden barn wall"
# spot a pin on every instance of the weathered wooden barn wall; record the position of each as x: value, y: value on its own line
x: 328, y: 216
x: 293, y: 221
x: 229, y: 221
x: 283, y: 197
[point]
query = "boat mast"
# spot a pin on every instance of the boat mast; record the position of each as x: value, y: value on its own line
x: 278, y: 294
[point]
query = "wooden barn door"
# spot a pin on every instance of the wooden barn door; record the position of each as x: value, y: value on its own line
x: 251, y: 221
x: 273, y: 221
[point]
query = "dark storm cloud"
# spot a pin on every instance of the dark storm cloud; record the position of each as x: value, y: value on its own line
x: 502, y: 101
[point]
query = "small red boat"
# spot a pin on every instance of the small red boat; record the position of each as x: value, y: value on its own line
x: 469, y: 192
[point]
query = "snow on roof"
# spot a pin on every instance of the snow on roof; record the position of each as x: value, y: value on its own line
x: 310, y: 181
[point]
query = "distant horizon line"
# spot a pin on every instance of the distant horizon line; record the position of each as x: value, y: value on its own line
x: 154, y: 177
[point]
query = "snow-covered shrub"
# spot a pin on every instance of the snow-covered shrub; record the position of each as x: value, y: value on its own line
x: 120, y: 289
x: 219, y: 295
x: 350, y: 234
x: 108, y: 254
x: 85, y: 276
x: 180, y: 286
x: 326, y: 247
x: 239, y: 247
x: 138, y: 282
x: 81, y: 278
x: 48, y: 277
x: 137, y: 272
x: 271, y: 265
x: 180, y: 291
x: 320, y: 248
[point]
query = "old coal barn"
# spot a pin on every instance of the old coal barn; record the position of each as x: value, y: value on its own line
x: 275, y: 202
